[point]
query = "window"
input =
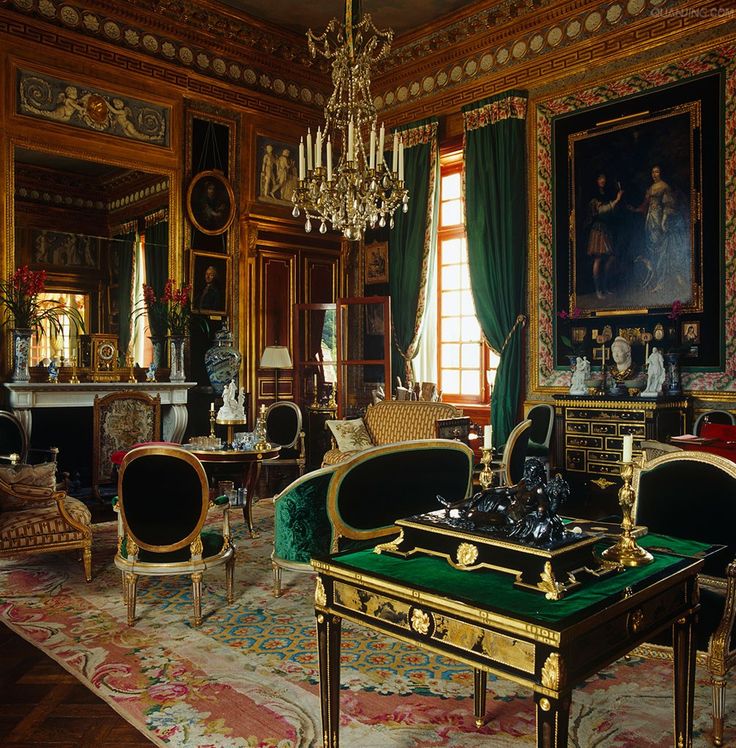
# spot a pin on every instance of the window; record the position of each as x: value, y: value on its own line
x: 465, y: 363
x: 52, y: 344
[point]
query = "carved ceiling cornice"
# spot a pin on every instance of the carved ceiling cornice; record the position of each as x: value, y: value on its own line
x: 547, y: 44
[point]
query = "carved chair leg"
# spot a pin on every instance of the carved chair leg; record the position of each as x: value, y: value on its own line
x: 276, y: 579
x: 230, y: 579
x: 125, y: 587
x: 131, y: 589
x: 197, y: 593
x: 719, y: 704
x: 87, y: 561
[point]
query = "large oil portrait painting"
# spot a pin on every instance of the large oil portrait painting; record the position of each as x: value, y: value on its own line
x: 635, y: 217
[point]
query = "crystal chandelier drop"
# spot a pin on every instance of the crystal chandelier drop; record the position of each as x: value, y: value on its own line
x: 362, y: 189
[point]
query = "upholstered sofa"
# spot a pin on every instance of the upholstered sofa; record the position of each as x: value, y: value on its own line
x: 393, y: 421
x: 35, y: 517
x: 356, y: 502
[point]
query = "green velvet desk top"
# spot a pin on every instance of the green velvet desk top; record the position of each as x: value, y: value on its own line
x: 495, y: 591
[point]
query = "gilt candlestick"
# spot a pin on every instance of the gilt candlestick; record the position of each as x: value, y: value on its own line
x: 486, y: 474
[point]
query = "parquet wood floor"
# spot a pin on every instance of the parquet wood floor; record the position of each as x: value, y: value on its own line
x: 43, y: 705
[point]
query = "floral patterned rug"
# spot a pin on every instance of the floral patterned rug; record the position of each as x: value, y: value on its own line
x: 248, y: 676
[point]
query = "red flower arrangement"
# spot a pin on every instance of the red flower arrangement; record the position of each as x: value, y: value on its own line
x: 22, y: 305
x: 172, y: 312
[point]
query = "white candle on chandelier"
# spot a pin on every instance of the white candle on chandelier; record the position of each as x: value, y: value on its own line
x: 395, y: 162
x: 372, y: 149
x: 309, y: 150
x: 318, y: 149
x: 329, y: 159
x: 381, y: 138
x: 301, y: 159
x: 351, y: 136
x: 401, y: 160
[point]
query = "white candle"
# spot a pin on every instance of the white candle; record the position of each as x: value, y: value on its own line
x: 628, y: 447
x: 301, y: 159
x: 350, y: 139
x: 309, y: 150
x: 395, y: 162
x: 487, y: 437
x: 372, y: 149
x: 212, y: 407
x: 329, y: 159
x: 401, y: 160
x: 646, y: 352
x: 381, y: 138
x: 318, y: 149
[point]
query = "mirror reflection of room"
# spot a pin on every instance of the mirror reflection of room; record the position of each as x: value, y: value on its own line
x: 99, y: 231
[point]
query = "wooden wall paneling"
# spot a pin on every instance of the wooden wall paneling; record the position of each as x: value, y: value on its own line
x: 277, y: 283
x: 319, y: 279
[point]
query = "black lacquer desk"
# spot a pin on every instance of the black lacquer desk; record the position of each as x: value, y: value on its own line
x: 479, y: 618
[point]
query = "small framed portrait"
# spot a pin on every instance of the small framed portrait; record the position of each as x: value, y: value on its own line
x: 209, y: 275
x: 277, y: 170
x: 690, y: 333
x: 376, y: 263
x: 210, y: 202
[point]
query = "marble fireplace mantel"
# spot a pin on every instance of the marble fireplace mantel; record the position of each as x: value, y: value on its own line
x: 24, y: 396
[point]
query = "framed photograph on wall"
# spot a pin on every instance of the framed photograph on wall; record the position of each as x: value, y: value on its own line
x: 276, y: 170
x: 209, y: 276
x: 376, y: 263
x: 210, y: 202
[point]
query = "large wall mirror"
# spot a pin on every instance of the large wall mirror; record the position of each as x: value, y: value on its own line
x: 99, y: 229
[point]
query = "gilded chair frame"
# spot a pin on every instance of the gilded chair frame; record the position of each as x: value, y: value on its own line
x: 130, y: 565
x: 102, y: 473
x: 39, y: 495
x: 297, y: 442
x: 504, y: 467
x: 721, y: 654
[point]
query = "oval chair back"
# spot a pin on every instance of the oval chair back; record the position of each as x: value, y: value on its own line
x: 13, y: 438
x: 542, y: 417
x: 283, y: 423
x: 163, y: 497
x: 514, y: 454
x: 712, y: 416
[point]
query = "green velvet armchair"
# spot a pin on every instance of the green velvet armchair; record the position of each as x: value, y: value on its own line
x: 356, y: 502
x: 693, y: 495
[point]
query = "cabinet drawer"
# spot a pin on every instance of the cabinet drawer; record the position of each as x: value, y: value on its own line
x: 585, y: 441
x: 575, y: 459
x: 603, y: 428
x: 604, y: 457
x: 631, y: 428
x: 603, y: 469
x: 576, y: 427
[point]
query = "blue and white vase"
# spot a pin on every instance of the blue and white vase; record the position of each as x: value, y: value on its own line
x: 673, y: 386
x: 222, y: 361
x: 21, y: 354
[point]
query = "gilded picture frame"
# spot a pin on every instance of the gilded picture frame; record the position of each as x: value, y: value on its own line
x: 375, y: 263
x: 210, y: 202
x: 209, y: 277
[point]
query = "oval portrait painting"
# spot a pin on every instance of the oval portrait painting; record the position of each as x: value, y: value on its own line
x: 210, y: 202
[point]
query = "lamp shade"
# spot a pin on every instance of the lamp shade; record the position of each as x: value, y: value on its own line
x: 276, y: 357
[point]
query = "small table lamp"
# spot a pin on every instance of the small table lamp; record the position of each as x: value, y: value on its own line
x: 276, y: 357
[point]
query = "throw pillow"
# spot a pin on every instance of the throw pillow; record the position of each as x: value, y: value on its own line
x: 41, y: 476
x: 350, y: 435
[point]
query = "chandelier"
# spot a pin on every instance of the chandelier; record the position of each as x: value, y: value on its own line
x: 361, y: 189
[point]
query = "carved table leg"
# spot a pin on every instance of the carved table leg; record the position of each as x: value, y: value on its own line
x: 328, y: 642
x: 480, y: 680
x: 553, y: 716
x: 250, y: 479
x: 684, y: 676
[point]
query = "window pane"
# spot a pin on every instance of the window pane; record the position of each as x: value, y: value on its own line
x: 451, y: 329
x: 450, y: 381
x: 452, y: 303
x: 450, y: 355
x: 465, y: 277
x: 471, y: 355
x: 471, y: 329
x: 452, y: 213
x: 452, y: 251
x: 467, y: 306
x: 451, y: 186
x: 470, y: 383
x: 451, y: 275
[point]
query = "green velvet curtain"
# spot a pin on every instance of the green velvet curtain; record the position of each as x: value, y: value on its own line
x: 126, y: 244
x: 412, y: 243
x: 496, y: 225
x: 157, y: 260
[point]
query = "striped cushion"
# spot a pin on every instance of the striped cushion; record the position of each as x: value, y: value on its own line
x: 42, y: 526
